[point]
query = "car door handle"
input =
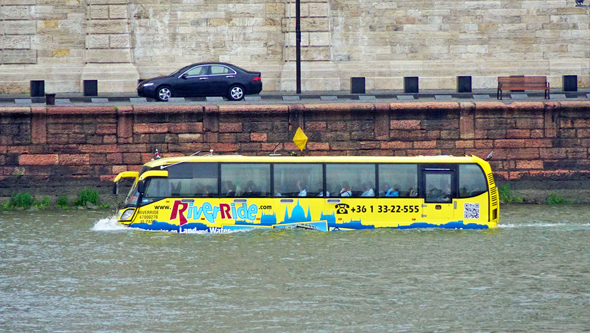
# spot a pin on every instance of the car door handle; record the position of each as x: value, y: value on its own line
x: 231, y: 76
x: 203, y: 78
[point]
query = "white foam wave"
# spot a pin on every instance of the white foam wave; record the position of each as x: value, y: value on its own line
x: 108, y: 224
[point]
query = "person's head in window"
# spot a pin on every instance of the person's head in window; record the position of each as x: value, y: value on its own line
x: 345, y: 191
x: 301, y: 188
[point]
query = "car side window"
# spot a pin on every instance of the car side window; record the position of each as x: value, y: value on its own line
x: 220, y: 70
x: 197, y: 71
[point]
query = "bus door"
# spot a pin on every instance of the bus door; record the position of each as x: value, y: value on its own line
x: 438, y: 195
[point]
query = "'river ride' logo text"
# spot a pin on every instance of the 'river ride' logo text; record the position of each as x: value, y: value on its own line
x: 186, y: 212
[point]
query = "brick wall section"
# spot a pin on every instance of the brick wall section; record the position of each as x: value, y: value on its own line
x: 536, y: 140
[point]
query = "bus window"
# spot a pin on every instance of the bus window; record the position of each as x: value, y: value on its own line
x: 438, y: 187
x: 245, y: 179
x: 398, y: 180
x: 157, y: 188
x: 193, y: 179
x: 472, y: 181
x: 350, y: 180
x: 298, y: 180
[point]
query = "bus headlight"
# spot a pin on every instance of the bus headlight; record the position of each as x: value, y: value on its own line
x: 126, y: 215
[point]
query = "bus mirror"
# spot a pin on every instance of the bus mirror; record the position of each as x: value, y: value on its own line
x: 115, y: 188
x: 141, y: 186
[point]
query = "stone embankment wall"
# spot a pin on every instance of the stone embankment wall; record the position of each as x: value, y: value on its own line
x: 55, y: 149
x: 118, y: 42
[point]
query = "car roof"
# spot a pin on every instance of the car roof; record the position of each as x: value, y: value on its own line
x: 216, y: 63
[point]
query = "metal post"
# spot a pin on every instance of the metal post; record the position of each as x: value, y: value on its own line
x: 298, y: 44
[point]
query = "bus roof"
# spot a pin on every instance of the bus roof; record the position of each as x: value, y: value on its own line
x: 315, y: 159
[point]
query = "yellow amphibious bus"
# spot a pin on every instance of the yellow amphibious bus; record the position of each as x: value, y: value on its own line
x: 222, y: 193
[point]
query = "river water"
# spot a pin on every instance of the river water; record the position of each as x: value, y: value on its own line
x: 77, y: 271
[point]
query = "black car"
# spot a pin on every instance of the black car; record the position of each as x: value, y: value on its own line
x: 203, y: 79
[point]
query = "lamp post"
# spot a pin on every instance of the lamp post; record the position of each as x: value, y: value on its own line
x: 298, y: 44
x: 580, y: 3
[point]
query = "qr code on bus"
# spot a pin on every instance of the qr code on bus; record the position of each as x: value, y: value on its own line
x: 471, y: 211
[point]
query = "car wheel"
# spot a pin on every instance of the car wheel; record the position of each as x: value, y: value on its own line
x: 236, y: 93
x: 163, y: 94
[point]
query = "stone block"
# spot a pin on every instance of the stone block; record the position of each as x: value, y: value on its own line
x: 119, y: 41
x: 19, y: 27
x: 19, y: 57
x: 97, y: 41
x: 19, y: 2
x: 106, y: 2
x: 15, y: 12
x: 118, y: 11
x: 319, y: 39
x: 16, y: 42
x: 99, y: 12
x: 318, y: 9
x: 108, y: 56
x: 108, y: 27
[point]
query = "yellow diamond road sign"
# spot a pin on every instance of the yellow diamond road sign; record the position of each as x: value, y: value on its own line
x: 300, y: 139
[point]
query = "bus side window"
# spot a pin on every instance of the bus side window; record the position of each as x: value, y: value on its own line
x: 398, y: 180
x: 472, y: 181
x: 245, y: 179
x: 298, y: 180
x: 351, y: 180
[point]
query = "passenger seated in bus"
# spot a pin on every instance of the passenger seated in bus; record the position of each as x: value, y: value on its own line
x: 208, y: 192
x: 464, y: 192
x: 229, y: 189
x: 321, y: 193
x: 301, y: 188
x: 393, y: 192
x: 438, y: 195
x: 368, y: 190
x: 251, y: 190
x: 345, y: 191
x: 412, y: 193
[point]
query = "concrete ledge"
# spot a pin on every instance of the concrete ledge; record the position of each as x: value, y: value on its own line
x: 166, y: 108
x: 405, y: 98
x: 137, y: 100
x: 229, y: 108
x: 62, y: 101
x: 443, y: 97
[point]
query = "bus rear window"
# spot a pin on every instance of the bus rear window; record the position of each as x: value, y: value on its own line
x: 472, y: 181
